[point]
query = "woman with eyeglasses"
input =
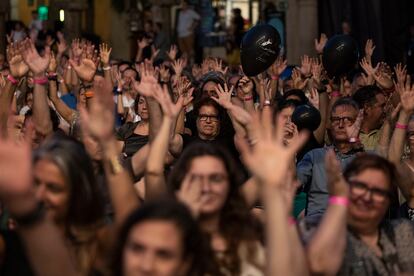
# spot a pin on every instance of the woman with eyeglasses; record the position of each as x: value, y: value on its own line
x: 355, y: 237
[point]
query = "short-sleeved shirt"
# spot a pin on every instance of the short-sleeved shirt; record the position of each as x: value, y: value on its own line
x: 312, y: 176
x: 370, y: 140
x: 186, y: 19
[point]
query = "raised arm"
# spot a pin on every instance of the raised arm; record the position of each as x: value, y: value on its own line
x: 326, y: 249
x: 154, y: 174
x: 285, y: 256
x: 65, y: 111
x: 38, y: 65
x: 105, y: 53
x: 99, y: 122
x: 43, y: 241
x: 406, y: 92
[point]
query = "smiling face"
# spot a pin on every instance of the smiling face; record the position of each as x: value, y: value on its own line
x: 155, y: 248
x: 51, y: 189
x: 370, y: 200
x: 210, y: 172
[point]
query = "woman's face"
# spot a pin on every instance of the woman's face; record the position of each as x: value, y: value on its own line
x: 210, y: 172
x: 154, y: 247
x: 142, y: 108
x: 51, y: 189
x: 370, y: 200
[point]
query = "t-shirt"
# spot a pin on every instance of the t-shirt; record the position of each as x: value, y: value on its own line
x: 185, y: 21
x: 133, y: 142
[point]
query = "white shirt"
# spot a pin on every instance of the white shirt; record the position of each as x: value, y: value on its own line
x: 185, y: 21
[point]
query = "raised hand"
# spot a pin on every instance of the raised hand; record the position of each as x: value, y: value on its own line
x: 320, y: 44
x: 383, y: 76
x: 316, y: 71
x: 369, y: 49
x: 144, y: 42
x: 314, y: 98
x: 306, y: 65
x: 269, y: 159
x: 148, y: 80
x: 31, y: 57
x: 278, y: 66
x: 178, y: 66
x: 353, y: 130
x: 400, y: 73
x: 104, y: 53
x: 246, y: 85
x: 223, y: 96
x: 164, y: 73
x: 172, y: 52
x: 14, y: 158
x: 18, y: 68
x: 337, y: 185
x: 77, y: 48
x: 98, y: 120
x: 298, y: 82
x: 163, y: 97
x: 218, y: 66
x: 154, y: 52
x: 53, y: 63
x: 406, y: 95
x: 191, y: 194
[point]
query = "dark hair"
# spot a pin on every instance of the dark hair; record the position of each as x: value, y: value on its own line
x: 131, y: 69
x: 53, y: 117
x: 281, y: 104
x: 208, y: 102
x: 86, y: 204
x: 298, y: 93
x: 366, y: 95
x: 347, y: 101
x: 236, y: 224
x: 371, y: 161
x: 195, y: 248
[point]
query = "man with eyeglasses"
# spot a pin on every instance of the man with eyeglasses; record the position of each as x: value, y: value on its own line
x: 372, y: 100
x: 311, y: 169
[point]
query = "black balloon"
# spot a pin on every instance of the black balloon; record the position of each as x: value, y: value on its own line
x: 259, y: 49
x: 340, y: 55
x: 306, y: 117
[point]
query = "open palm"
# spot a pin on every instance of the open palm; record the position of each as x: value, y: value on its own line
x: 86, y: 70
x: 36, y: 63
x: 18, y: 68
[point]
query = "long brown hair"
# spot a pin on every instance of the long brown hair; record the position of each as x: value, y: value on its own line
x: 236, y: 223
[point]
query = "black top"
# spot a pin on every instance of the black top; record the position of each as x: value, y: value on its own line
x: 15, y: 261
x: 133, y: 142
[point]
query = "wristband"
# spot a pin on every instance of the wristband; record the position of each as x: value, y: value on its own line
x: 51, y: 74
x: 246, y: 99
x: 266, y: 103
x: 275, y: 77
x: 119, y: 90
x: 69, y: 67
x: 339, y: 200
x: 353, y: 140
x: 41, y: 80
x: 12, y: 79
x: 401, y: 126
x: 335, y: 94
x: 106, y: 68
x: 292, y: 221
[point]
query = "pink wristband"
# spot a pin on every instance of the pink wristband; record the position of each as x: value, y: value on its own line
x: 275, y: 77
x: 248, y: 98
x: 335, y: 94
x: 41, y: 80
x: 12, y: 79
x: 401, y: 126
x: 339, y: 200
x: 291, y: 221
x: 354, y: 140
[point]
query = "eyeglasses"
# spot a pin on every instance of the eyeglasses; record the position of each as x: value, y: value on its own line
x: 345, y: 120
x: 205, y: 117
x: 360, y: 189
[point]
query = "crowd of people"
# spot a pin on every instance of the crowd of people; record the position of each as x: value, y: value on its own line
x: 160, y: 166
